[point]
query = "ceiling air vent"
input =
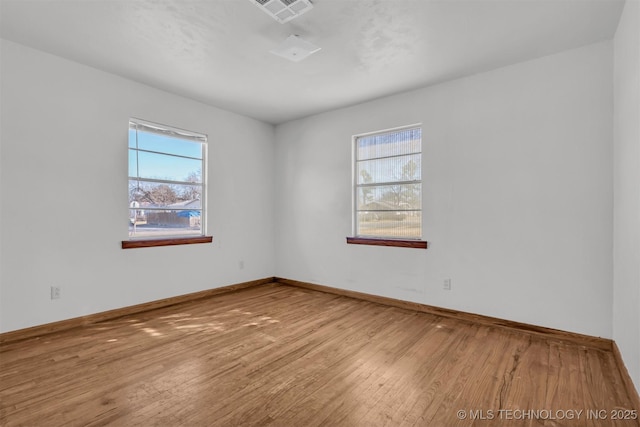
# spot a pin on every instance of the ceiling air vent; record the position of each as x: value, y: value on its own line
x: 283, y: 10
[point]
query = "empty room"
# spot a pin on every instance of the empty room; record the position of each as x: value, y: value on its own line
x: 320, y: 212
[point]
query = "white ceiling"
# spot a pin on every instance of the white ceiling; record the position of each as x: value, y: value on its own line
x: 217, y: 51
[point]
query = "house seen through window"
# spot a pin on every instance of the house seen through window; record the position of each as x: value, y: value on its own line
x: 388, y: 184
x: 166, y: 181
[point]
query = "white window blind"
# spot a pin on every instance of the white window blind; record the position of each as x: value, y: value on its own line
x: 388, y: 184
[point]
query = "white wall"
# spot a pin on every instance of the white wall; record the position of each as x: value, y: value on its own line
x: 626, y: 249
x: 517, y: 169
x: 64, y: 193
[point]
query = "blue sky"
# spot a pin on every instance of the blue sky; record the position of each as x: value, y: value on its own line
x: 159, y: 166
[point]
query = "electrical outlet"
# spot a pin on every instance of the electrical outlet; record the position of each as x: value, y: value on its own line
x: 55, y: 292
x: 447, y: 285
x: 241, y: 264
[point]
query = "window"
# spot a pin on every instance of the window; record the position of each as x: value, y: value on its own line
x: 388, y: 187
x: 167, y: 178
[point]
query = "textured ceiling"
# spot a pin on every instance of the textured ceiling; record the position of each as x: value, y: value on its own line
x: 217, y: 51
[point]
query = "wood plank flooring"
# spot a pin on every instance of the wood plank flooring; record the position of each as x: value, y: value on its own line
x: 283, y: 356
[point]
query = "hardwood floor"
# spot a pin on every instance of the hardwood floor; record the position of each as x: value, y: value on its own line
x: 284, y: 356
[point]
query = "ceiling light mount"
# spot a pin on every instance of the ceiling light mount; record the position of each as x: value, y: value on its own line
x: 283, y: 10
x: 295, y: 48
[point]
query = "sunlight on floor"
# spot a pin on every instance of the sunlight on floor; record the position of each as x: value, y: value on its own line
x: 152, y: 332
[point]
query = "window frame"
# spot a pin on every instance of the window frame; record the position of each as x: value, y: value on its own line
x: 361, y: 239
x: 178, y: 134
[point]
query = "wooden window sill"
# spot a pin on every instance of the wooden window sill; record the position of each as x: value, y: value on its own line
x: 400, y: 243
x: 150, y: 243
